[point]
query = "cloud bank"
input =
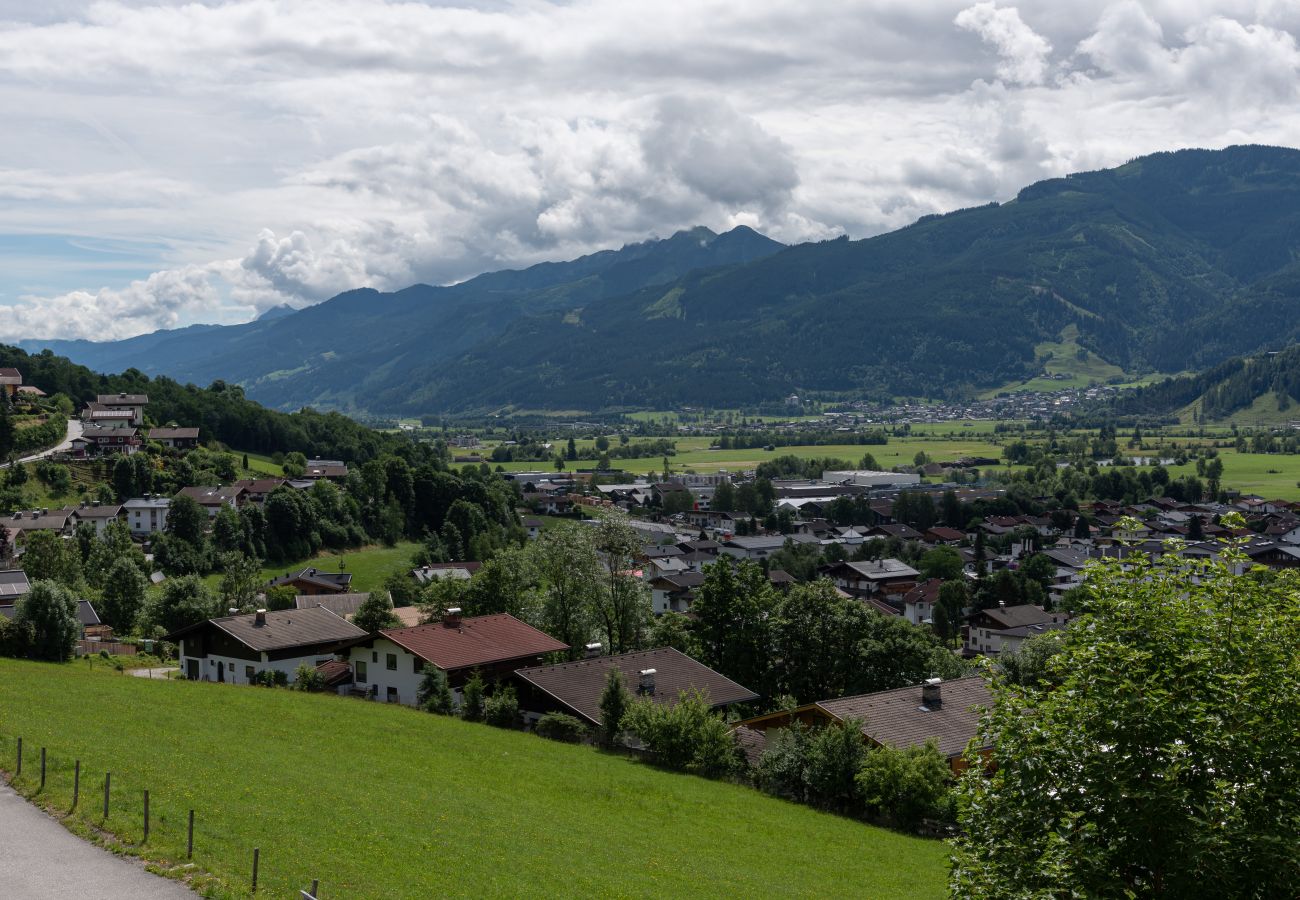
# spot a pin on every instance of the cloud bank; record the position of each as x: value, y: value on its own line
x: 282, y: 151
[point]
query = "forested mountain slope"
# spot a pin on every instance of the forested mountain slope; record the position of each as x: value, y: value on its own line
x: 1172, y: 262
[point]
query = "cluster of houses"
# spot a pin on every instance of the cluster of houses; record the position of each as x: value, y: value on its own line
x: 113, y: 425
x: 388, y: 666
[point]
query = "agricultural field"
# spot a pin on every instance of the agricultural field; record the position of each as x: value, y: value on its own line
x: 382, y: 801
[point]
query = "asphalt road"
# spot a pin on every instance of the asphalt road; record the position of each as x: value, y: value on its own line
x: 74, y: 431
x: 42, y: 860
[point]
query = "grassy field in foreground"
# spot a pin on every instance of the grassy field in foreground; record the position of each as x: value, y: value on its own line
x: 369, y: 566
x: 383, y: 801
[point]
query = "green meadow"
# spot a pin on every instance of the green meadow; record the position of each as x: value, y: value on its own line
x: 381, y: 801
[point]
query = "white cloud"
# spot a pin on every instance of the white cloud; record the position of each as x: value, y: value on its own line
x: 286, y: 150
x: 1024, y: 52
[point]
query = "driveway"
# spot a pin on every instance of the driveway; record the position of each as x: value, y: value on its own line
x: 74, y: 432
x: 42, y: 859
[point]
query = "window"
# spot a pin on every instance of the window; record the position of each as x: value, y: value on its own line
x: 391, y: 662
x: 392, y: 695
x: 360, y: 671
x: 374, y: 657
x: 417, y: 664
x: 249, y: 672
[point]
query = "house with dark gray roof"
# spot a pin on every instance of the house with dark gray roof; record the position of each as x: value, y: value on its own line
x: 659, y: 676
x: 314, y: 581
x: 235, y: 649
x: 1003, y: 629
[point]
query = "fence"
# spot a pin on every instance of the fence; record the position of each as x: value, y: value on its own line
x: 113, y: 647
x: 162, y: 829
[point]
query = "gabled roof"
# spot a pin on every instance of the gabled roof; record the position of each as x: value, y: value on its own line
x: 10, y: 376
x: 86, y: 614
x: 259, y: 485
x: 340, y: 604
x: 213, y: 496
x: 99, y: 511
x: 474, y: 641
x: 578, y: 685
x: 13, y: 584
x: 173, y: 434
x: 458, y: 570
x: 338, y: 582
x: 123, y: 399
x: 899, y: 719
x: 284, y: 628
x: 1018, y: 616
x: 880, y: 569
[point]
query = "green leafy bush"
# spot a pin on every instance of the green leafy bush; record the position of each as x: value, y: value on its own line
x: 561, y: 727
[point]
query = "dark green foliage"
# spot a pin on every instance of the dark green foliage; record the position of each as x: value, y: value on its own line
x: 307, y: 678
x: 375, y: 614
x: 561, y: 727
x: 434, y: 695
x: 184, y: 601
x: 686, y: 735
x: 1156, y: 760
x: 48, y: 557
x: 614, y: 703
x: 502, y: 708
x: 674, y: 629
x: 281, y: 596
x: 271, y: 678
x: 732, y: 610
x: 906, y: 785
x: 472, y: 699
x: 123, y: 596
x: 47, y: 620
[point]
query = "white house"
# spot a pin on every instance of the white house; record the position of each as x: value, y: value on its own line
x: 389, y: 665
x: 146, y: 515
x: 234, y: 649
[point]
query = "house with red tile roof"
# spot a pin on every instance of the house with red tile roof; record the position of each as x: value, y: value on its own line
x: 390, y: 664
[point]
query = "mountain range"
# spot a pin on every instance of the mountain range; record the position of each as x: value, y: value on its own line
x: 1172, y: 262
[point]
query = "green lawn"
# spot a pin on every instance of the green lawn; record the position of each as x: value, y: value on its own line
x: 369, y: 566
x: 386, y: 802
x: 259, y: 465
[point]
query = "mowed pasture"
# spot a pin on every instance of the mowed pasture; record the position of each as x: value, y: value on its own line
x: 370, y: 566
x: 382, y: 801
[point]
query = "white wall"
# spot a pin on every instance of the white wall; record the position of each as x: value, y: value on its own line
x: 235, y: 672
x: 405, y: 678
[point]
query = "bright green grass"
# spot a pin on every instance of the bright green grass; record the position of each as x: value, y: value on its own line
x: 259, y: 465
x: 1272, y: 476
x: 369, y: 566
x: 386, y: 802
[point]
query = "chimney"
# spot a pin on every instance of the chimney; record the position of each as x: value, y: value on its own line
x: 931, y: 693
x: 259, y: 618
x: 84, y: 504
x: 594, y: 649
x: 647, y: 684
x: 1002, y: 604
x: 451, y: 617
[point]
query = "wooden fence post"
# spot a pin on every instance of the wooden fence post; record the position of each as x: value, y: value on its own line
x: 146, y: 818
x: 76, y: 783
x: 42, y: 768
x: 256, y: 855
x: 189, y: 842
x: 108, y: 780
x: 20, y: 757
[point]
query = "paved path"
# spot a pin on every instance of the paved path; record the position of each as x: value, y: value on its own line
x: 40, y: 859
x: 74, y: 432
x: 159, y: 674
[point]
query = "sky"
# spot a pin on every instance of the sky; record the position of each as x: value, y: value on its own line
x: 165, y: 164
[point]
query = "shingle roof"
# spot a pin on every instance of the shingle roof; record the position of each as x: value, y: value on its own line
x: 123, y: 399
x: 86, y: 614
x: 340, y: 604
x: 283, y: 628
x: 1017, y: 616
x: 578, y: 685
x: 175, y: 434
x: 897, y: 718
x: 476, y: 641
x: 334, y: 581
x: 13, y: 584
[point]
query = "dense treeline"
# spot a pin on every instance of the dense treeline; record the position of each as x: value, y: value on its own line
x: 1223, y: 390
x: 748, y: 440
x: 221, y: 411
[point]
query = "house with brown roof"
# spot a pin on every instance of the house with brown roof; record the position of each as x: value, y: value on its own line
x: 175, y: 438
x: 132, y: 403
x: 942, y: 534
x: 10, y: 381
x: 461, y: 571
x: 344, y: 605
x: 103, y: 440
x: 235, y: 649
x: 389, y: 665
x: 100, y: 515
x: 919, y: 602
x: 872, y: 577
x: 214, y: 498
x: 659, y: 676
x: 1002, y: 629
x: 946, y: 712
x: 329, y: 469
x: 256, y: 490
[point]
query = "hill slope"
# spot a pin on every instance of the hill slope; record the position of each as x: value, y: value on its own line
x: 385, y: 802
x: 1260, y: 389
x: 1172, y: 262
x: 337, y: 353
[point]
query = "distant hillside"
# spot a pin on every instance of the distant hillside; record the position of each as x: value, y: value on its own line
x: 1255, y: 390
x: 339, y: 353
x: 1170, y: 263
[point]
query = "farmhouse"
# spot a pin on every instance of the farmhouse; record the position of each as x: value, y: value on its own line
x: 10, y: 381
x: 256, y: 490
x: 235, y: 649
x: 132, y: 403
x: 1004, y: 628
x: 100, y: 515
x: 461, y: 571
x: 656, y: 675
x: 214, y: 498
x: 389, y: 665
x: 103, y: 440
x: 870, y: 578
